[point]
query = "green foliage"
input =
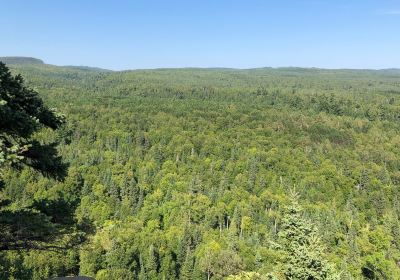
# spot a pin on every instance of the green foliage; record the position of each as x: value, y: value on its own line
x: 184, y: 173
x: 376, y: 266
x: 248, y: 276
x: 302, y: 247
x: 41, y: 222
x: 22, y: 113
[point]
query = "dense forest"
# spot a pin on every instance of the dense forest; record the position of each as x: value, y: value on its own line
x: 283, y: 173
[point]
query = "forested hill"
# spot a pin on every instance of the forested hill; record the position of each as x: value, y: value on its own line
x: 186, y: 173
x: 26, y: 61
x: 20, y: 60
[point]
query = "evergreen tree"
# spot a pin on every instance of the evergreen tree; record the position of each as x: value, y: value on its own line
x: 23, y: 113
x: 187, y: 266
x: 151, y: 264
x: 302, y: 247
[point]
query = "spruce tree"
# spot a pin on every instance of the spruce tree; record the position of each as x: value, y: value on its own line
x: 302, y: 247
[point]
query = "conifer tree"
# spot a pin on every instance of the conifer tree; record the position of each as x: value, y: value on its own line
x: 22, y: 113
x: 302, y: 247
x: 187, y: 266
x: 151, y: 264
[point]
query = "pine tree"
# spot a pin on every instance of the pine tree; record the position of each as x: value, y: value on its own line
x: 187, y: 266
x: 142, y: 273
x: 303, y: 249
x: 151, y: 264
x: 22, y: 114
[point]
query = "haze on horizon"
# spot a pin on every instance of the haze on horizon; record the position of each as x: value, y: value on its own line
x: 125, y: 34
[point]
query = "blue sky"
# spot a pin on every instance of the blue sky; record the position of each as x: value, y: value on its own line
x: 122, y: 34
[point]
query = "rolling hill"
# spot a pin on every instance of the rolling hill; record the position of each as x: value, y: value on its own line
x: 188, y: 173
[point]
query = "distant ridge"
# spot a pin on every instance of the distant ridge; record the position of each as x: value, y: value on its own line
x: 23, y: 60
x: 87, y: 68
x: 20, y: 60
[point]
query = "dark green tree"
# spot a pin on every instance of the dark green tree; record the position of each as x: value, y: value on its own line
x: 22, y: 114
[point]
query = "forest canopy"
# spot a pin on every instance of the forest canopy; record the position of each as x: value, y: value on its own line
x: 190, y: 174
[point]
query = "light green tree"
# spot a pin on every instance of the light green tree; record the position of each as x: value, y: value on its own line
x: 303, y: 250
x: 247, y: 276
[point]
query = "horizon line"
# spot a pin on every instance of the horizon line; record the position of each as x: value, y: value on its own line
x: 193, y: 67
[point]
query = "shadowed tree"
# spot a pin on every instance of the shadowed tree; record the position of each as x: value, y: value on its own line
x: 23, y: 113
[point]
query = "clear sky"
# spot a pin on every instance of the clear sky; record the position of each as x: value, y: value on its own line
x: 122, y: 34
